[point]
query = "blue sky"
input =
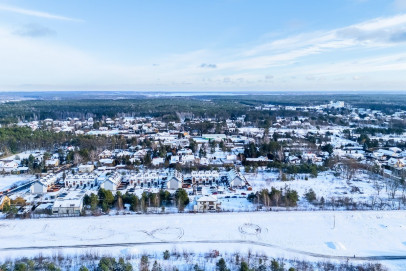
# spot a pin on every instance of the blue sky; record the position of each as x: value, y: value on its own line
x: 203, y: 45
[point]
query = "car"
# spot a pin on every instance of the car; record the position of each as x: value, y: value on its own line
x: 227, y: 197
x: 234, y: 197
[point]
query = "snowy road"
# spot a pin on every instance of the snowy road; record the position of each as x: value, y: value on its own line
x: 370, y: 235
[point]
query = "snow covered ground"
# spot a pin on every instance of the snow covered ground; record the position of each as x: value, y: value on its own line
x: 326, y: 185
x: 308, y: 235
x: 6, y: 181
x: 23, y: 155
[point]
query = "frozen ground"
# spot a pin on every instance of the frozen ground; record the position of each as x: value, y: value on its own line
x: 6, y: 181
x: 22, y: 155
x: 324, y: 185
x: 370, y: 235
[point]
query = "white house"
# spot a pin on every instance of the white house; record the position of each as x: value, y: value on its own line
x: 41, y: 186
x: 71, y: 204
x: 188, y: 158
x: 174, y: 159
x: 8, y: 166
x: 207, y: 203
x: 112, y: 182
x: 175, y: 180
x: 106, y: 161
x: 105, y: 154
x: 258, y: 159
x: 86, y: 168
x: 158, y: 161
x: 52, y: 162
x: 235, y: 179
x: 38, y: 187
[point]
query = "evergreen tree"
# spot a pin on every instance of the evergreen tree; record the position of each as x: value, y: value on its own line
x: 221, y: 265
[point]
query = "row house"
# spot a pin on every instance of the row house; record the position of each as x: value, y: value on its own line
x: 81, y: 180
x: 144, y: 179
x: 203, y: 176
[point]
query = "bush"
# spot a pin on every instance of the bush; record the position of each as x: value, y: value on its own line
x: 221, y: 265
x: 167, y: 255
x: 310, y: 196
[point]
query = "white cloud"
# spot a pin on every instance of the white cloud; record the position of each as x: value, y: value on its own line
x: 36, y: 13
x: 376, y: 33
x: 289, y: 63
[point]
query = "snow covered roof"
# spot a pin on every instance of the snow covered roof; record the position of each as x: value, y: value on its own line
x: 207, y: 198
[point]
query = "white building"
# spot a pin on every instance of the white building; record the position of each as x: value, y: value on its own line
x: 86, y: 168
x: 207, y: 203
x: 8, y: 166
x: 71, y: 204
x: 144, y: 178
x: 235, y: 179
x: 80, y: 180
x: 204, y: 176
x: 215, y: 137
x: 41, y: 186
x: 112, y: 182
x: 174, y: 159
x: 158, y: 161
x: 52, y: 163
x: 175, y: 180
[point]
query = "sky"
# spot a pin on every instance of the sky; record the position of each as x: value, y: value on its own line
x: 203, y: 45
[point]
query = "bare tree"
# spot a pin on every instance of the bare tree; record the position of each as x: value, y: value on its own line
x: 377, y: 186
x: 77, y: 158
x: 393, y: 186
x: 350, y: 167
x: 93, y: 155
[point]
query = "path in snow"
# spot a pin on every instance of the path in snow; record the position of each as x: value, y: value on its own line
x: 331, y: 235
x: 239, y: 242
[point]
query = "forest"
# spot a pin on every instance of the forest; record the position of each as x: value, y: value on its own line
x: 168, y: 107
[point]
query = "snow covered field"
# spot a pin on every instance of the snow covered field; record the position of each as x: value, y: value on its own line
x: 307, y: 235
x: 6, y: 181
x: 359, y: 189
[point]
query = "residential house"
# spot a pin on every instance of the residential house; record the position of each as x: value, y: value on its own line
x: 175, y: 180
x: 8, y: 166
x: 158, y: 161
x: 3, y: 201
x: 144, y: 179
x: 86, y: 168
x: 236, y: 179
x: 105, y: 154
x: 207, y: 203
x: 42, y: 185
x: 88, y: 180
x: 71, y: 204
x: 50, y: 163
x: 112, y: 182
